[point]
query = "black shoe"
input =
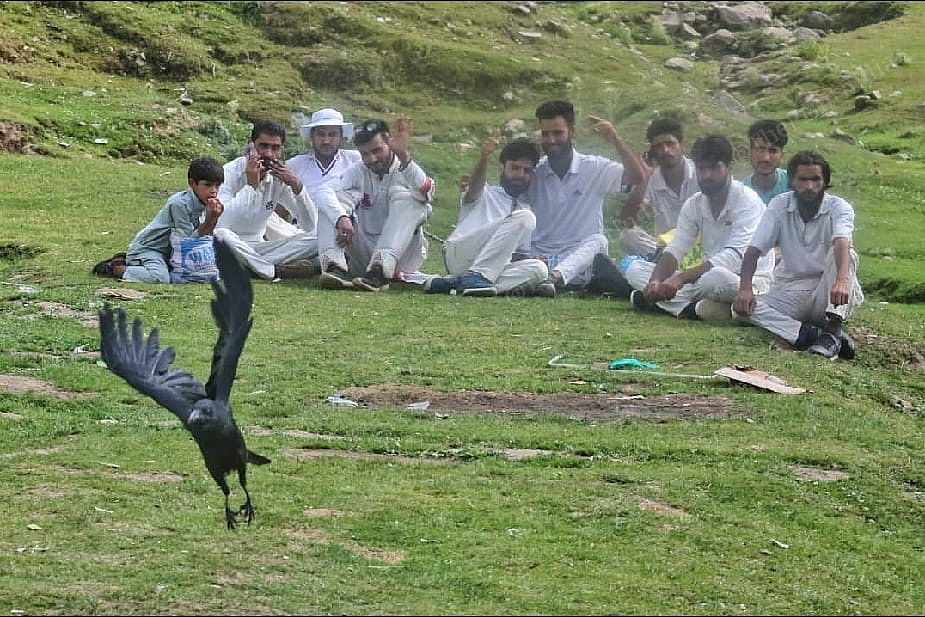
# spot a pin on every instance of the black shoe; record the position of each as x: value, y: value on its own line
x: 335, y: 277
x: 441, y: 284
x: 373, y: 280
x: 690, y: 312
x: 833, y: 324
x: 809, y: 334
x: 606, y: 278
x: 105, y: 267
x: 827, y: 345
x: 641, y: 302
x: 846, y: 352
x: 472, y: 283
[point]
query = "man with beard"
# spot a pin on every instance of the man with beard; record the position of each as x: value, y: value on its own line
x: 493, y: 222
x: 371, y: 216
x: 767, y: 139
x: 671, y: 183
x: 326, y: 132
x: 255, y: 184
x: 815, y: 285
x: 724, y: 214
x: 568, y: 193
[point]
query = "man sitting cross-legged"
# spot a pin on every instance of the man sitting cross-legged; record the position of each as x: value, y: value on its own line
x: 724, y: 214
x: 255, y: 184
x: 371, y: 218
x: 493, y: 222
x: 815, y: 285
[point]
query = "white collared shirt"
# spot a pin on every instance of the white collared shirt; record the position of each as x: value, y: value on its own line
x: 368, y: 194
x: 313, y: 174
x: 803, y: 245
x: 571, y: 209
x: 494, y: 203
x: 664, y: 202
x: 247, y: 210
x: 725, y: 237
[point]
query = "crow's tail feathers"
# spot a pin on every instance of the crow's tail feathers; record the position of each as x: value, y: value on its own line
x: 256, y: 459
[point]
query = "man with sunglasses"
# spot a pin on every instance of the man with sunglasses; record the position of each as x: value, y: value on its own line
x: 371, y: 217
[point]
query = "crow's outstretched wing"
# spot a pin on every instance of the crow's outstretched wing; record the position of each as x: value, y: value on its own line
x: 231, y: 309
x: 145, y: 366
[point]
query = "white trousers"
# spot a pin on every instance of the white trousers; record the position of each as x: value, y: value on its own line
x: 278, y: 228
x: 786, y: 306
x: 635, y: 241
x: 717, y: 284
x: 262, y: 256
x: 400, y: 245
x: 575, y: 264
x: 488, y: 251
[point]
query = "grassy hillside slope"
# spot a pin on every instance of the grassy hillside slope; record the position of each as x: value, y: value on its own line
x: 570, y: 490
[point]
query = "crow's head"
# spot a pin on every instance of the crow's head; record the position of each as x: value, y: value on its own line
x: 203, y: 413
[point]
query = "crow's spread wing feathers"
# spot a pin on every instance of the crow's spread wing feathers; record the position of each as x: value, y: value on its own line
x: 231, y: 310
x: 145, y: 366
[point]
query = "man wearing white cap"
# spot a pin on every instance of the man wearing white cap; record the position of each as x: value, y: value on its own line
x: 326, y: 131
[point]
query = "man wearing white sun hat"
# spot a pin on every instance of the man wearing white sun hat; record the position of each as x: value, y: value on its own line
x: 326, y: 132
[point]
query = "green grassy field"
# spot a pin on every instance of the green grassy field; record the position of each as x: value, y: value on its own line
x: 594, y: 492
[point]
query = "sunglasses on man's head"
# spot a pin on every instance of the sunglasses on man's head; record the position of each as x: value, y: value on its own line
x: 373, y: 126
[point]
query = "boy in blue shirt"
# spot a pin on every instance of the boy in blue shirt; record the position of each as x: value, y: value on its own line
x: 149, y: 252
x: 767, y: 139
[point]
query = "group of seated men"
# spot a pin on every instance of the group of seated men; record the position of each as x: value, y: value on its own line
x: 774, y: 250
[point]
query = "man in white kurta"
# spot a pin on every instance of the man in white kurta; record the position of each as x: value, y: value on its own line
x: 371, y: 218
x: 326, y: 132
x: 815, y: 285
x: 493, y: 222
x: 568, y: 191
x: 672, y: 182
x: 254, y: 185
x: 724, y: 215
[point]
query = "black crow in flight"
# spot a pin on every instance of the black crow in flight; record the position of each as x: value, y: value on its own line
x: 204, y: 410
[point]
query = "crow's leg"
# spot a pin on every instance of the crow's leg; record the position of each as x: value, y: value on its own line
x: 247, y: 508
x: 229, y: 513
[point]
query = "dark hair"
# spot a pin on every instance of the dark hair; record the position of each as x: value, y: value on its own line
x: 369, y: 129
x: 772, y: 131
x: 661, y: 126
x: 712, y: 149
x: 266, y: 127
x: 554, y: 109
x: 809, y: 157
x: 205, y: 168
x: 518, y: 149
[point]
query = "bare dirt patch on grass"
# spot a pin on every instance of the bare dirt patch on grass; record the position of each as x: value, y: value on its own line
x: 307, y: 454
x: 891, y: 352
x: 262, y: 431
x: 58, y: 310
x: 662, y: 508
x: 817, y: 474
x: 589, y: 407
x: 18, y: 384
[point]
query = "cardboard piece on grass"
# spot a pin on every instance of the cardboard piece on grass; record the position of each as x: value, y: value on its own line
x: 759, y: 379
x: 122, y: 293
